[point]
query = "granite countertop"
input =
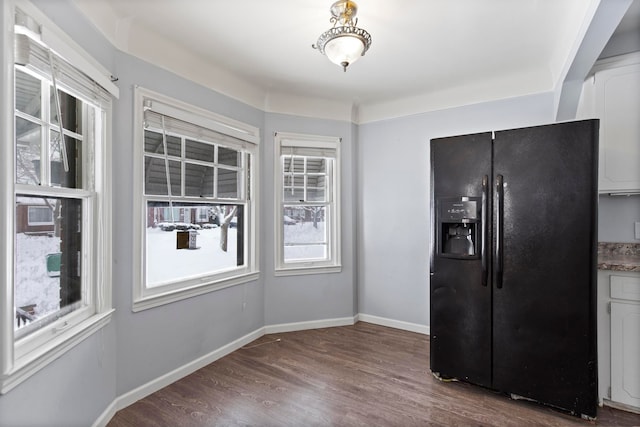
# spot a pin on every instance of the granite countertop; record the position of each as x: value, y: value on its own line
x: 619, y: 256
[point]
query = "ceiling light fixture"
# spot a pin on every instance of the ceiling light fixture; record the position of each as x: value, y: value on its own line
x: 344, y: 43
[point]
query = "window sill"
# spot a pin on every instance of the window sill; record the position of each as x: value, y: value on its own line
x: 300, y: 270
x: 158, y: 299
x: 38, y: 359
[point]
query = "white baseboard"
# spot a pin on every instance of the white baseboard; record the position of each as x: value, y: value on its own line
x: 397, y: 324
x: 313, y: 324
x: 621, y: 406
x: 144, y: 390
x: 106, y: 415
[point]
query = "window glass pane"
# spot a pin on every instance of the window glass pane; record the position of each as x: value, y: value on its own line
x: 293, y: 188
x: 28, y: 94
x: 228, y: 156
x: 153, y: 144
x: 48, y: 261
x: 198, y: 180
x: 28, y: 148
x: 155, y: 176
x: 316, y: 188
x: 71, y: 109
x: 316, y: 165
x: 304, y: 233
x: 294, y: 194
x: 305, y: 253
x: 293, y: 215
x: 199, y: 151
x: 71, y: 175
x: 228, y: 184
x: 293, y: 164
x: 200, y: 240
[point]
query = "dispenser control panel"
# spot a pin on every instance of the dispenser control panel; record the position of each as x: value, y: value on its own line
x: 459, y: 227
x: 458, y: 210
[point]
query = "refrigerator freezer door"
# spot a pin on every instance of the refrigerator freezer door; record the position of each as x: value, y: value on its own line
x: 460, y: 305
x: 544, y: 313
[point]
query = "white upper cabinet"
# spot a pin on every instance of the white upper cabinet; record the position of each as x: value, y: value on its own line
x: 617, y: 104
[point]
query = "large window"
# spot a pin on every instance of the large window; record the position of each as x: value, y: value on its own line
x: 307, y: 204
x: 58, y: 288
x: 196, y: 208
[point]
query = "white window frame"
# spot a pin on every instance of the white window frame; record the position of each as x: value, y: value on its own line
x: 22, y: 357
x: 145, y: 297
x: 314, y: 144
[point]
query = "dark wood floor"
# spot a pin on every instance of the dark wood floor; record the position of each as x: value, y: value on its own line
x: 361, y: 375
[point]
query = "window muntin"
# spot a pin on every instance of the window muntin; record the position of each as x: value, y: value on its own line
x: 193, y: 173
x: 305, y: 182
x: 307, y: 187
x: 64, y: 151
x: 39, y: 297
x: 196, y: 196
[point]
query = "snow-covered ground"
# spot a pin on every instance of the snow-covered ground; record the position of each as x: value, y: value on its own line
x: 165, y: 263
x: 32, y: 284
x: 304, y: 232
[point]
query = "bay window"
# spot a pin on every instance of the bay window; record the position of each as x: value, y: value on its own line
x: 196, y: 209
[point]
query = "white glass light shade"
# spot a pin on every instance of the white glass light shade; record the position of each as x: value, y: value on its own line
x: 344, y: 50
x: 345, y: 43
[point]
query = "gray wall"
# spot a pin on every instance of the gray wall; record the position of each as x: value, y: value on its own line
x: 292, y: 299
x: 394, y: 218
x: 72, y: 391
x: 153, y: 342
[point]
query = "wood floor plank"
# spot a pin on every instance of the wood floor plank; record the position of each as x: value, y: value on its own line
x: 361, y: 375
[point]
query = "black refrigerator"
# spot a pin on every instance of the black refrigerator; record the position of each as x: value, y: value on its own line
x: 513, y: 262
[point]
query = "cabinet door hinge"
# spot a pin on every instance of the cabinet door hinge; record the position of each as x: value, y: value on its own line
x: 609, y: 392
x: 609, y: 307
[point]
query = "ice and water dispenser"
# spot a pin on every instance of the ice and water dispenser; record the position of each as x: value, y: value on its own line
x: 459, y: 227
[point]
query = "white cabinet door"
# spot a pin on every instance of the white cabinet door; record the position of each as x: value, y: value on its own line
x: 618, y: 107
x: 625, y: 353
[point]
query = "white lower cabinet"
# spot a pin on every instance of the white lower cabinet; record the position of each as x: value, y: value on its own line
x: 622, y: 372
x: 625, y: 353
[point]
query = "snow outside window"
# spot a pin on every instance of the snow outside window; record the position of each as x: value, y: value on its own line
x: 196, y: 207
x: 58, y: 289
x: 307, y: 204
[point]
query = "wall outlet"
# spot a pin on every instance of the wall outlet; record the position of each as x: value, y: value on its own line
x: 637, y: 225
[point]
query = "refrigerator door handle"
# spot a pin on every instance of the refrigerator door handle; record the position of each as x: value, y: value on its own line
x: 499, y: 225
x: 483, y: 237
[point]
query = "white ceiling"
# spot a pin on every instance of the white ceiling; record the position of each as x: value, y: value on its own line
x: 432, y: 53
